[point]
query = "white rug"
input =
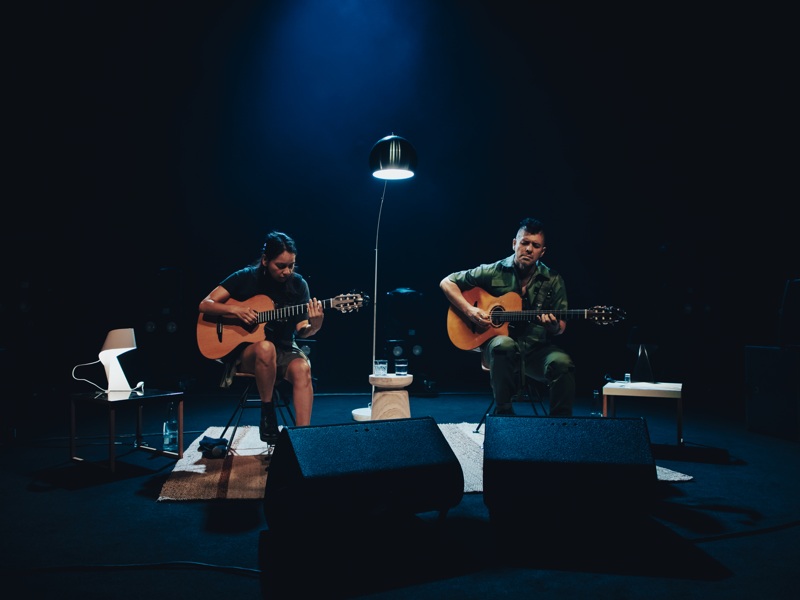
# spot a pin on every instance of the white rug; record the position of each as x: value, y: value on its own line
x: 242, y: 474
x: 468, y: 447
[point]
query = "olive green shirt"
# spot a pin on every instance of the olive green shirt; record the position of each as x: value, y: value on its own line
x: 546, y: 292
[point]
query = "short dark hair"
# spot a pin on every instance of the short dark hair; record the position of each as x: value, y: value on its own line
x: 531, y: 225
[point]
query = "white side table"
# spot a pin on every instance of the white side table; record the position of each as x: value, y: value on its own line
x: 643, y: 389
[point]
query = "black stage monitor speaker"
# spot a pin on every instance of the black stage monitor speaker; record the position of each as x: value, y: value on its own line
x: 560, y: 467
x: 349, y: 472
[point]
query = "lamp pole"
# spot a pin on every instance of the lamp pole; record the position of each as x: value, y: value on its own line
x: 375, y: 291
x: 392, y: 157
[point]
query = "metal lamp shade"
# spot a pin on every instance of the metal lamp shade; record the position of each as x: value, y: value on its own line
x: 393, y: 157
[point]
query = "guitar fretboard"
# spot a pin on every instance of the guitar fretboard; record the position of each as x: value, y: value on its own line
x: 288, y: 311
x: 502, y: 316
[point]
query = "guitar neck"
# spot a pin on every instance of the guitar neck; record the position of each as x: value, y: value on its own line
x: 507, y: 316
x: 504, y: 309
x: 288, y: 311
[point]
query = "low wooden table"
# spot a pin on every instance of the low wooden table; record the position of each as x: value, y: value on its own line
x: 389, y: 398
x: 114, y: 400
x: 643, y: 389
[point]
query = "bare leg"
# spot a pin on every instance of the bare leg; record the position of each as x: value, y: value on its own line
x: 261, y: 358
x: 298, y: 374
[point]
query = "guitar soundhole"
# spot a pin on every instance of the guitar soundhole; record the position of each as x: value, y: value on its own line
x: 493, y: 314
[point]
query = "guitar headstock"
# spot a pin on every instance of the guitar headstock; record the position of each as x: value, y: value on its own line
x: 349, y: 302
x: 605, y: 315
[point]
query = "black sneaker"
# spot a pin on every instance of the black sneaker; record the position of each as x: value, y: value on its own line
x: 268, y: 427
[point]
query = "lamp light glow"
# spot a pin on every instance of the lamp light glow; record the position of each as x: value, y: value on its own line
x: 118, y: 341
x: 393, y: 158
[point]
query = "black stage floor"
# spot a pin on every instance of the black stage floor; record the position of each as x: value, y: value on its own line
x: 71, y: 531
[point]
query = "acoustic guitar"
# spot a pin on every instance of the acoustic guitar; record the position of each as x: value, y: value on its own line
x: 219, y: 335
x: 505, y: 309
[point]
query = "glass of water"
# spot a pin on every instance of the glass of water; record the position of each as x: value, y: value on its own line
x: 401, y: 366
x: 380, y: 367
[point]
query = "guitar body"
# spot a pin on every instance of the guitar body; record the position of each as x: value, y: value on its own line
x: 464, y: 334
x: 218, y: 336
x: 506, y: 309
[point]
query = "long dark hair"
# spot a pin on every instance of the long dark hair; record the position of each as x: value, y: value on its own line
x: 277, y: 243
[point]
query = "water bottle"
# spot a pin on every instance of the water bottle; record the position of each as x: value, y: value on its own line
x: 171, y: 429
x: 597, y: 406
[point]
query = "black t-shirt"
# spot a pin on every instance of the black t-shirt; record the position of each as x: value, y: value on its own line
x: 251, y: 281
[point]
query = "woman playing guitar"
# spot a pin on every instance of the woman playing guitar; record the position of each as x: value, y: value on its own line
x: 272, y: 352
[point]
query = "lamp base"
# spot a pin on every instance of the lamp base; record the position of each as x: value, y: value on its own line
x: 117, y: 382
x: 362, y: 414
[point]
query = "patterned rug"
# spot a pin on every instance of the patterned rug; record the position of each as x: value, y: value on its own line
x: 242, y: 475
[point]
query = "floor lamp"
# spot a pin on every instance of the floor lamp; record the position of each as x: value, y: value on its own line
x: 391, y: 158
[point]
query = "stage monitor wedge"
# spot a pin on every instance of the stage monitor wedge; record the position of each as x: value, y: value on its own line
x: 350, y: 473
x: 566, y: 467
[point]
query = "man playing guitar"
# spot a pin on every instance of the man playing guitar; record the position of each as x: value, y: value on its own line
x: 524, y: 348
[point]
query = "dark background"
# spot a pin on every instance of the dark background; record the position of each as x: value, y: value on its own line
x: 151, y: 146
